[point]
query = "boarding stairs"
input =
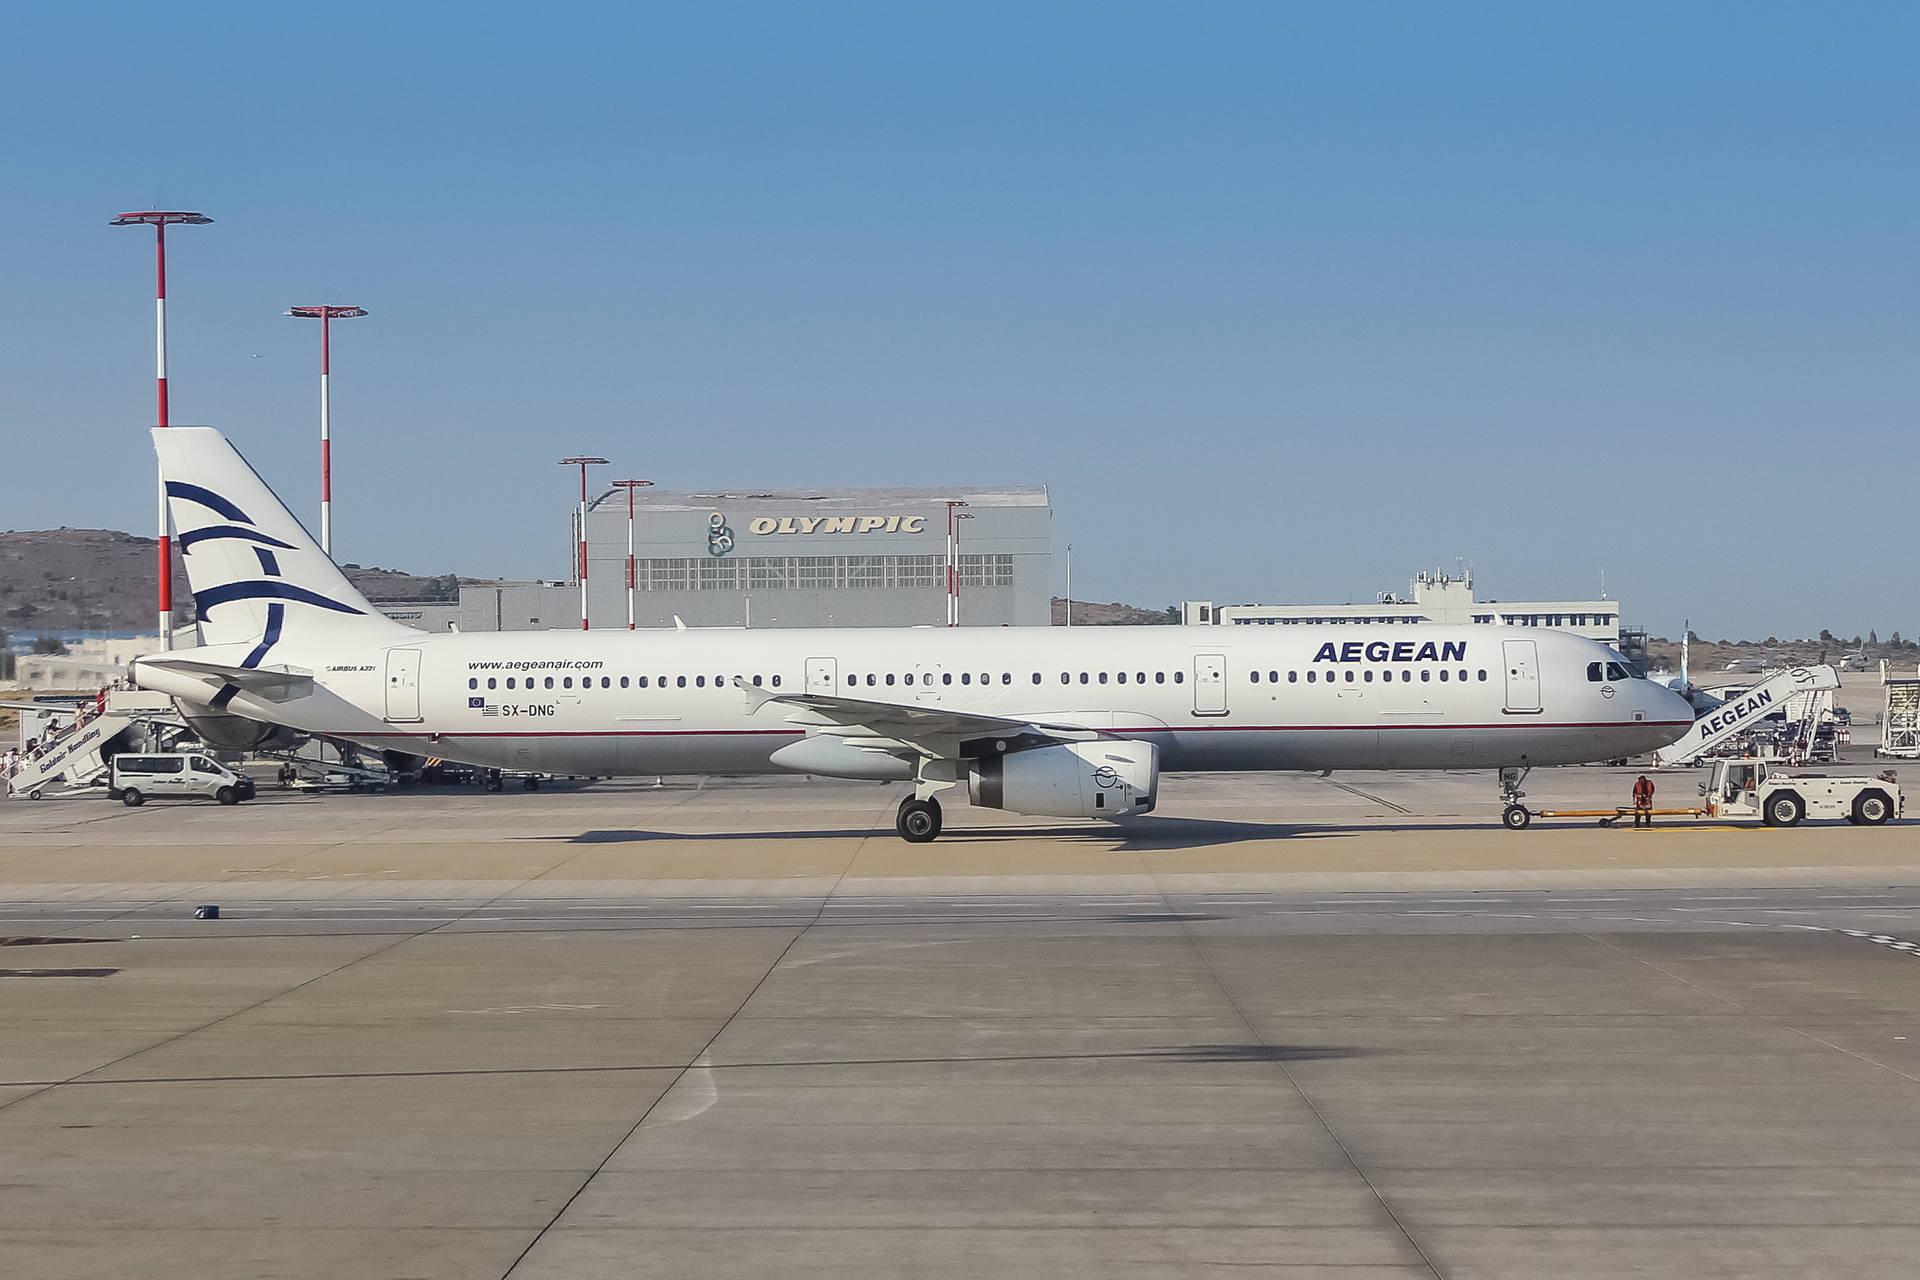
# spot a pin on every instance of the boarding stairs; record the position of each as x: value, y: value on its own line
x: 1900, y: 719
x: 75, y: 751
x: 1746, y: 712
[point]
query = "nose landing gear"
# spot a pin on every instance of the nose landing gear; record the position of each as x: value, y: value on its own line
x: 1515, y: 816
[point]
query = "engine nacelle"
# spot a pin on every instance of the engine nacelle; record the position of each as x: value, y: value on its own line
x: 1073, y: 780
x: 236, y: 733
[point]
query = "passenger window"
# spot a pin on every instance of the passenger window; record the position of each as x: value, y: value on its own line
x: 853, y: 679
x: 473, y: 682
x: 1103, y: 677
x: 1159, y: 677
x: 1406, y: 677
x: 1368, y: 677
x: 490, y: 683
x: 1254, y: 676
x: 699, y: 682
x: 1066, y: 677
x: 1273, y: 677
x: 1006, y: 677
x: 623, y: 681
x: 1179, y: 677
x: 1310, y: 677
x: 1483, y: 675
x: 549, y: 682
x: 1426, y: 674
x: 756, y: 682
x: 889, y: 677
x: 1293, y: 677
x: 1083, y: 677
x: 642, y: 682
x: 1139, y: 677
x: 566, y: 682
x: 1443, y: 673
x: 908, y: 677
x: 1349, y: 677
x: 1120, y: 676
x: 946, y: 677
x: 870, y: 680
x: 776, y: 682
x: 966, y: 677
x: 679, y: 682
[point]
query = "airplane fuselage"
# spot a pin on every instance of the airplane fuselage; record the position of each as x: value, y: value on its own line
x: 650, y: 702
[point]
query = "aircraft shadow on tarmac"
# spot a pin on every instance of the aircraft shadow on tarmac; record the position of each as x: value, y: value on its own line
x: 1136, y: 836
x: 1186, y: 1054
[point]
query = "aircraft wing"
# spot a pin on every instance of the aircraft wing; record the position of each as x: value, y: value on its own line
x: 252, y: 679
x: 920, y: 724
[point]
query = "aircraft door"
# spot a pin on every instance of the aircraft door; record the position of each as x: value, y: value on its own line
x: 823, y: 675
x: 1209, y: 684
x: 403, y: 684
x: 1523, y: 675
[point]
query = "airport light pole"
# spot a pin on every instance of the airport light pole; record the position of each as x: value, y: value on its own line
x: 160, y: 220
x: 953, y: 560
x: 632, y: 581
x: 581, y: 566
x: 326, y: 316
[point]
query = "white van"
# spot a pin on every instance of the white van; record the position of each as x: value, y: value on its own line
x: 135, y: 779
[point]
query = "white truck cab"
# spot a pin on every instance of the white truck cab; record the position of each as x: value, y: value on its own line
x: 1757, y: 787
x: 136, y: 779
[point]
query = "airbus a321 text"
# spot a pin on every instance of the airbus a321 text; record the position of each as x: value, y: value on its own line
x: 1063, y: 722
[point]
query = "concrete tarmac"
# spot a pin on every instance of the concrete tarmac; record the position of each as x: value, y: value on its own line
x: 1304, y: 1026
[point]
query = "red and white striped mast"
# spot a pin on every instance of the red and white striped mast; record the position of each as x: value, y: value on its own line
x: 160, y: 220
x: 632, y: 579
x: 581, y: 559
x: 326, y: 315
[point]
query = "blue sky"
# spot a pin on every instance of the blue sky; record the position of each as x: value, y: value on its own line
x: 1282, y: 302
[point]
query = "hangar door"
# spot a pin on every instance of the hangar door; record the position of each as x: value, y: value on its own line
x: 403, y: 684
x: 1523, y: 675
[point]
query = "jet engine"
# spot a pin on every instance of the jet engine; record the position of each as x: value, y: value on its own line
x: 1098, y: 779
x: 229, y: 732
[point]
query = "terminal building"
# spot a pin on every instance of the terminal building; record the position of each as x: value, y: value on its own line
x: 1440, y: 598
x: 839, y: 558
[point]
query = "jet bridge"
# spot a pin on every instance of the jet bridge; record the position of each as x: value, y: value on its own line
x: 1800, y: 692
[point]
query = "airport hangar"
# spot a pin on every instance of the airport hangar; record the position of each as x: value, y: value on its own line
x: 839, y: 557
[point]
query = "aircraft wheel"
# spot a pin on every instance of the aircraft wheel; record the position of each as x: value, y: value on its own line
x: 132, y: 798
x: 918, y: 820
x: 1871, y: 808
x: 1785, y: 810
x: 1515, y: 817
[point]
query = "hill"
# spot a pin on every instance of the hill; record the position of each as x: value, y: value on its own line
x: 54, y: 580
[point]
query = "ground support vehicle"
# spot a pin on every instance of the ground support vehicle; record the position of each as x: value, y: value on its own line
x: 1759, y: 787
x: 137, y: 777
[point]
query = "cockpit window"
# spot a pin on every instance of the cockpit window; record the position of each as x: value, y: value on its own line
x: 1593, y: 672
x: 1617, y: 672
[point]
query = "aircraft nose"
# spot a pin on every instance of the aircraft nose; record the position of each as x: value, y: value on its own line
x: 1669, y: 705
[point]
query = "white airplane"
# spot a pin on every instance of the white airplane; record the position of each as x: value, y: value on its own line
x: 1054, y: 721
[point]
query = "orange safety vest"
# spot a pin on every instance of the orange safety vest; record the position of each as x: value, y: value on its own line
x: 1643, y: 793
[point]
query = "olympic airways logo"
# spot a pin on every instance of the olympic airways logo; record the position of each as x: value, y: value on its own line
x: 719, y: 535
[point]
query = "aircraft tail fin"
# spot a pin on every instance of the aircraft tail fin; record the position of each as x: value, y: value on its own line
x: 256, y: 574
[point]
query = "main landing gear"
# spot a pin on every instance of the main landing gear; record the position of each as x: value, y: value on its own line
x: 918, y: 821
x: 1515, y: 816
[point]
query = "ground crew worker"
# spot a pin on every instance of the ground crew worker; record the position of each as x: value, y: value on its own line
x: 1643, y: 802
